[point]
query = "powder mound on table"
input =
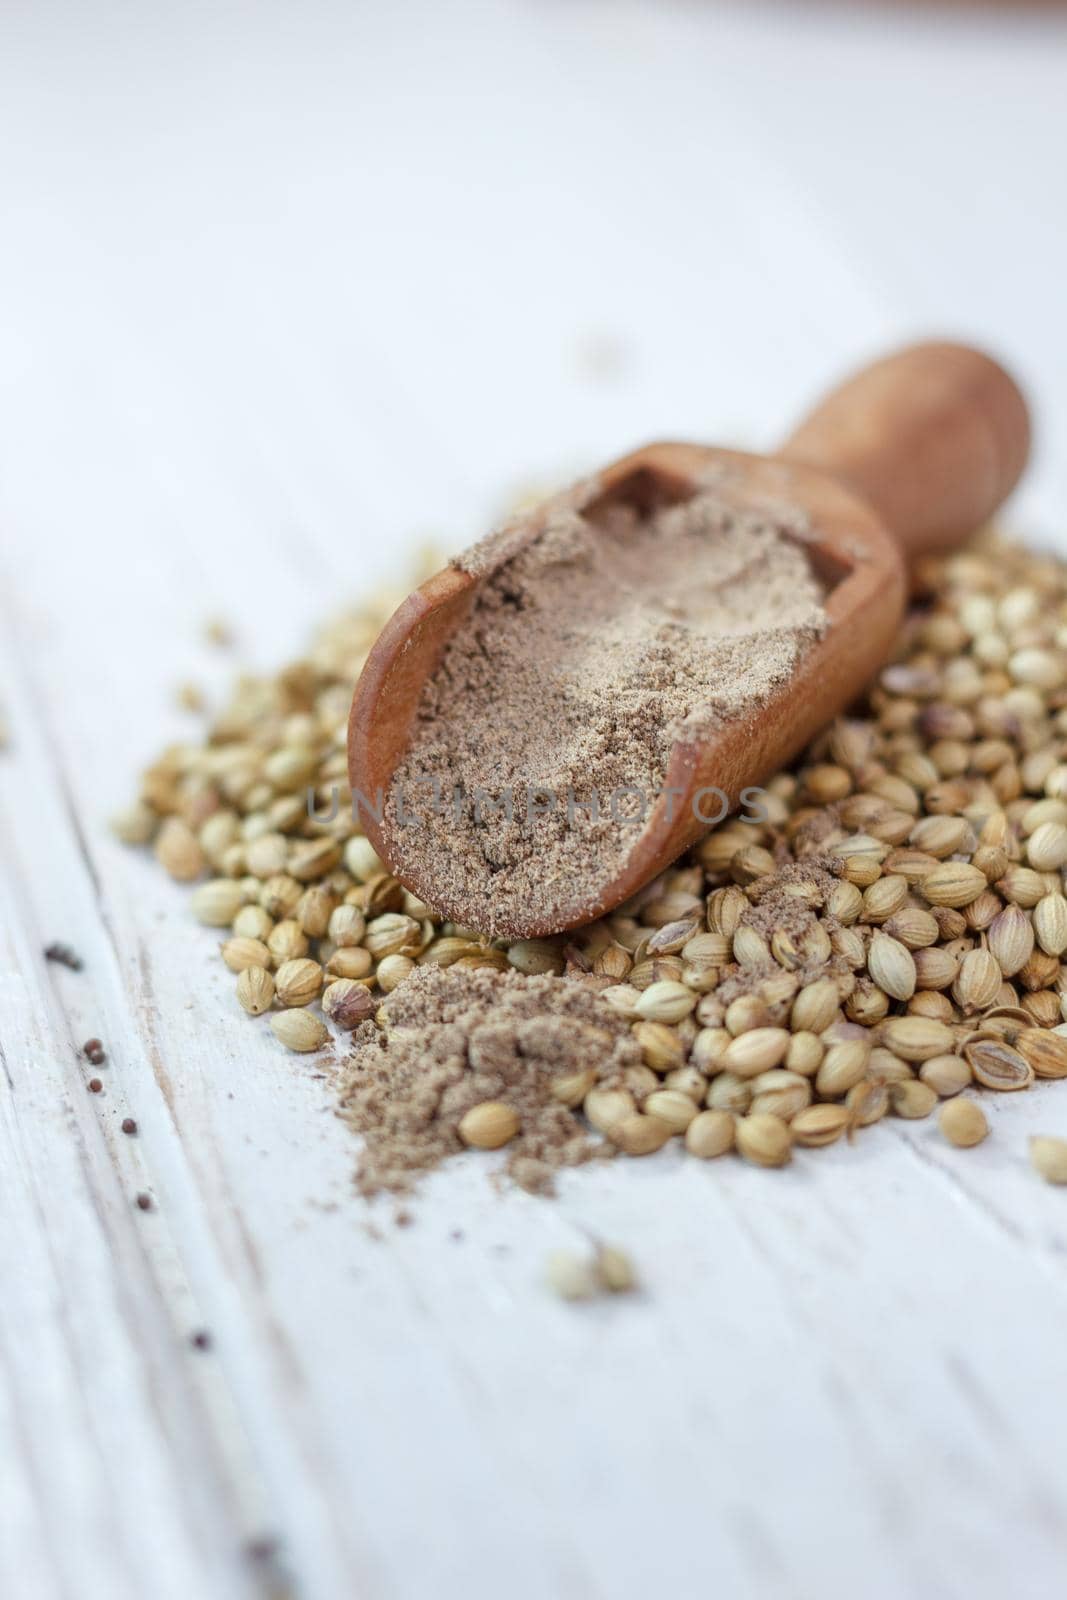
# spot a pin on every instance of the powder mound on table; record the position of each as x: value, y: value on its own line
x: 589, y: 650
x: 455, y: 1038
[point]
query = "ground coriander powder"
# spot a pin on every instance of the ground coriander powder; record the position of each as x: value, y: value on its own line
x: 588, y: 652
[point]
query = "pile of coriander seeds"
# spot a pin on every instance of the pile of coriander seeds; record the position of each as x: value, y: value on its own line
x: 888, y: 941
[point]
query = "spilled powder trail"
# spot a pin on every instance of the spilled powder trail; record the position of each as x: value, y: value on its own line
x: 587, y: 653
x: 454, y: 1039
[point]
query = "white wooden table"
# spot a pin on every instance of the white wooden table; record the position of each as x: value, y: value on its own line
x: 282, y: 291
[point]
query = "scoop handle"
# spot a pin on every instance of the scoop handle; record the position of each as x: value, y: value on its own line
x: 934, y: 438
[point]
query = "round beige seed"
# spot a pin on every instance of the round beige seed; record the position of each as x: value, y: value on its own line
x: 815, y: 1007
x: 946, y: 1075
x: 348, y: 1003
x: 535, y: 956
x: 709, y: 1048
x: 884, y: 898
x: 963, y: 1123
x: 977, y: 982
x: 867, y: 1102
x: 393, y: 934
x: 1011, y: 939
x: 750, y: 949
x: 296, y: 1029
x: 252, y: 922
x: 1050, y: 924
x: 1048, y: 1156
x: 287, y: 941
x: 215, y: 904
x: 347, y: 926
x: 255, y: 990
x: 747, y: 1012
x: 267, y: 855
x: 728, y: 1092
x: 804, y: 1054
x: 605, y: 1107
x: 640, y: 1135
x: 912, y: 1099
x: 916, y: 1038
x: 687, y: 1080
x: 755, y: 1051
x: 820, y: 1125
x: 665, y: 1002
x: 571, y: 1276
x: 362, y: 860
x: 298, y: 983
x: 351, y: 961
x: 997, y: 1066
x: 178, y: 850
x: 892, y: 967
x: 1046, y: 848
x: 1046, y: 1052
x: 763, y: 1140
x: 935, y: 967
x: 615, y: 1270
x: 241, y: 953
x: 136, y: 825
x: 673, y: 1107
x: 662, y: 1047
x: 711, y: 1133
x: 842, y: 1067
x: 489, y: 1125
x: 392, y: 970
x: 571, y: 1088
x: 914, y: 928
x: 954, y: 884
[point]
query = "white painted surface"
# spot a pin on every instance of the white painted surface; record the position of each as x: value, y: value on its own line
x: 283, y: 289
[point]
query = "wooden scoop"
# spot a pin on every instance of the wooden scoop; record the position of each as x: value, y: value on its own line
x: 904, y: 459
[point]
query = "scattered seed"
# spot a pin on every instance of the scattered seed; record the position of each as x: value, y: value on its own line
x: 63, y: 956
x: 489, y: 1125
x: 136, y: 825
x: 296, y: 1029
x: 997, y: 1066
x: 963, y: 1123
x: 298, y: 983
x: 571, y: 1276
x: 755, y: 1051
x: 1045, y: 1050
x: 639, y: 1134
x: 615, y: 1269
x: 255, y: 990
x: 912, y: 1099
x: 1048, y: 1156
x: 673, y: 1107
x: 978, y: 982
x: 946, y: 1075
x: 178, y: 851
x: 820, y: 1125
x: 710, y: 1134
x: 763, y: 1140
x: 215, y: 904
x: 347, y: 1003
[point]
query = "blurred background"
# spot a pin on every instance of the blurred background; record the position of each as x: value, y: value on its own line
x: 286, y: 286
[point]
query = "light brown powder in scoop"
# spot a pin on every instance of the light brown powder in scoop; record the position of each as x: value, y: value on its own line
x: 456, y: 1038
x: 588, y: 652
